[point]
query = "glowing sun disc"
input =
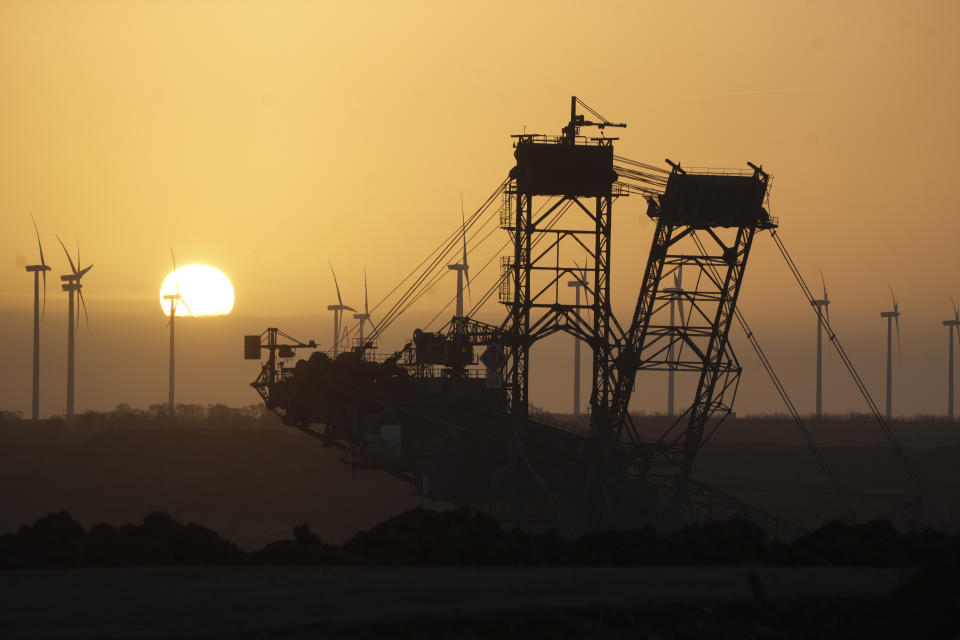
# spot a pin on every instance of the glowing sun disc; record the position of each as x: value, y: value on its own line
x: 205, y: 290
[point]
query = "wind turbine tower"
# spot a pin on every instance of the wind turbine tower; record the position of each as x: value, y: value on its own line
x: 174, y: 299
x: 577, y: 283
x: 891, y: 316
x: 338, y: 310
x: 461, y: 268
x: 37, y: 269
x: 73, y: 286
x: 823, y: 310
x: 952, y: 326
x: 676, y: 301
x: 365, y: 316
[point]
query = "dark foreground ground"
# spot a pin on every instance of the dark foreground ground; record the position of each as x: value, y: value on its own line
x: 253, y: 485
x: 422, y: 602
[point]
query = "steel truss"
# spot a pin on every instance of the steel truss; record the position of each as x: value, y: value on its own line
x: 546, y: 242
x: 713, y: 257
x: 457, y: 443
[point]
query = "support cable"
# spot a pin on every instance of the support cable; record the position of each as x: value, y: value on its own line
x: 436, y: 260
x: 561, y: 210
x: 431, y: 273
x: 861, y: 386
x: 787, y: 401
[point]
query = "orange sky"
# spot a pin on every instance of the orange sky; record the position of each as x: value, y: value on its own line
x: 266, y: 138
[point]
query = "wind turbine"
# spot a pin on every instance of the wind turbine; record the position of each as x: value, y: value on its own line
x: 365, y: 316
x: 676, y: 289
x: 174, y: 298
x: 37, y: 269
x: 461, y: 268
x: 823, y: 309
x: 338, y: 310
x: 577, y: 283
x: 891, y: 316
x: 73, y: 286
x: 952, y: 325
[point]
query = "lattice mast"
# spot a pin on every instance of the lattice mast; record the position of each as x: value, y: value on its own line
x: 560, y: 196
x: 705, y: 225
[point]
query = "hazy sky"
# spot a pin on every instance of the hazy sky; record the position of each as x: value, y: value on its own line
x: 267, y: 138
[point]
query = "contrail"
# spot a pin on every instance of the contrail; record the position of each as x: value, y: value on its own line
x: 737, y: 93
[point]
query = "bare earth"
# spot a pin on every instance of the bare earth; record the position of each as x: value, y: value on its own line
x: 265, y: 601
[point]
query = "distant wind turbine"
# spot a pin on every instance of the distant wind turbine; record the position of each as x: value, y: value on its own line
x: 823, y: 309
x: 174, y: 298
x: 461, y: 268
x: 891, y: 316
x: 72, y: 285
x: 338, y: 310
x: 578, y: 282
x: 37, y: 269
x: 365, y: 316
x: 952, y: 326
x: 677, y: 290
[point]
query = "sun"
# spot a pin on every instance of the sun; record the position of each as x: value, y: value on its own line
x: 204, y: 291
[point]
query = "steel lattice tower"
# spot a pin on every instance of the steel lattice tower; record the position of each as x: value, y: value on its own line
x: 561, y: 195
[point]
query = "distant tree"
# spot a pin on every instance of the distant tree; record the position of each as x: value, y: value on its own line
x: 192, y: 413
x: 218, y: 415
x: 157, y: 411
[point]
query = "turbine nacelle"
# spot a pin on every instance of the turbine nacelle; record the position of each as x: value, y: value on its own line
x: 462, y: 268
x: 895, y: 314
x: 72, y: 281
x: 677, y: 289
x: 41, y: 268
x: 824, y: 303
x: 581, y: 279
x: 338, y: 310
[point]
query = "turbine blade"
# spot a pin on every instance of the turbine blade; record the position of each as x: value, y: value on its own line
x: 463, y: 227
x: 43, y: 263
x: 44, y: 294
x: 897, y: 321
x: 39, y: 244
x: 335, y: 284
x: 186, y: 305
x: 466, y: 269
x: 83, y: 304
x: 366, y: 301
x: 683, y: 317
x: 83, y: 272
x: 69, y: 259
x: 892, y: 296
x: 824, y: 283
x: 956, y: 309
x: 176, y: 280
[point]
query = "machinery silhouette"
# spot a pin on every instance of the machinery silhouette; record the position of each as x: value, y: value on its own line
x: 450, y: 413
